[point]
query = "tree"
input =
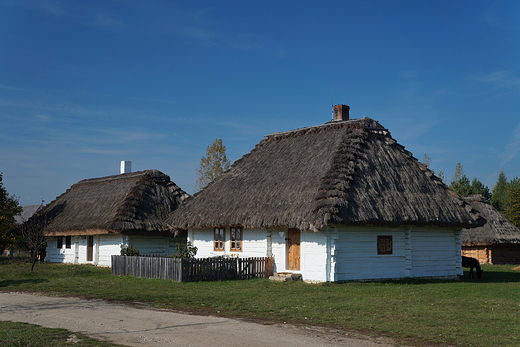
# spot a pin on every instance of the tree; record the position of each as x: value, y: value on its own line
x: 499, y: 192
x: 34, y: 237
x: 512, y: 201
x: 8, y: 210
x: 462, y: 186
x: 213, y: 164
x: 427, y: 160
x: 478, y: 187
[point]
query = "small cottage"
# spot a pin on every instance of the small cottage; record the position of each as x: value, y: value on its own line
x: 497, y: 241
x: 335, y: 202
x: 95, y: 218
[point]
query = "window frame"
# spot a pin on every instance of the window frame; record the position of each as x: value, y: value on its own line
x: 236, y: 242
x: 68, y: 241
x: 385, y: 244
x: 219, y: 239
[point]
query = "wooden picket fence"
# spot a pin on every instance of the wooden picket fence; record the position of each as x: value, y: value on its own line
x: 192, y: 270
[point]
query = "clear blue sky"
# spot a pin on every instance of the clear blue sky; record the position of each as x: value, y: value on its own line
x: 86, y: 84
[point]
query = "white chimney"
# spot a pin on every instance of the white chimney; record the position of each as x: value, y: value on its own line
x: 126, y: 167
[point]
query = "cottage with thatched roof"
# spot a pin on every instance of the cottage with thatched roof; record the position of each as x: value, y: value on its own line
x: 96, y: 218
x: 339, y: 201
x: 497, y: 241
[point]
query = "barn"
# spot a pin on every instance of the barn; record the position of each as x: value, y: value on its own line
x: 334, y: 202
x: 497, y: 241
x: 95, y: 218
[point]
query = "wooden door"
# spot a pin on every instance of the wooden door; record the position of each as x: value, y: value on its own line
x: 90, y: 248
x: 293, y: 249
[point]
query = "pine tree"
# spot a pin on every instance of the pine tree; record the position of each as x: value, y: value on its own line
x: 498, y: 196
x: 212, y: 165
x: 512, y: 201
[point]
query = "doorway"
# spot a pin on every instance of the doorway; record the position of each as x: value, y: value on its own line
x: 293, y: 249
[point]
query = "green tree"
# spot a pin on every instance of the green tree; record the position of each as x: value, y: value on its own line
x: 8, y: 210
x: 478, y: 187
x: 462, y: 186
x: 512, y: 201
x: 498, y: 196
x: 213, y: 164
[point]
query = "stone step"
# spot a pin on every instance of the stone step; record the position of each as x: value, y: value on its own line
x: 285, y: 277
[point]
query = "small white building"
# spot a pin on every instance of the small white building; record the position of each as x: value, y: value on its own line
x: 336, y: 202
x: 96, y: 218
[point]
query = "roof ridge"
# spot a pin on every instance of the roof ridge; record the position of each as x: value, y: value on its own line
x: 370, y: 124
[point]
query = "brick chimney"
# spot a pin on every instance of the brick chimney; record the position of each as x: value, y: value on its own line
x: 341, y: 112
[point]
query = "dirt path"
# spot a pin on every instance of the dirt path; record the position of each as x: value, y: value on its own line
x: 134, y: 326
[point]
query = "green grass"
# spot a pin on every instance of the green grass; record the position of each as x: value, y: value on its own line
x: 28, y: 335
x: 466, y: 312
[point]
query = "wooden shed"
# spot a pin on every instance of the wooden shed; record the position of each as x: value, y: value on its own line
x: 497, y: 241
x: 334, y: 202
x: 97, y: 217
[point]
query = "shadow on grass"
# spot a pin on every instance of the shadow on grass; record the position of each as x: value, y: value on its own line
x: 492, y: 277
x: 16, y: 283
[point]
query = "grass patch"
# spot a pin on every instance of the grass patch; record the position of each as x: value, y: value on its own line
x: 466, y: 312
x: 29, y: 335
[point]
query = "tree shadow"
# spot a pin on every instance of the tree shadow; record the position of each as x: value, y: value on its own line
x: 493, y: 277
x: 16, y: 283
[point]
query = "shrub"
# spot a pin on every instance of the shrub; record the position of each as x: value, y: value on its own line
x: 129, y: 251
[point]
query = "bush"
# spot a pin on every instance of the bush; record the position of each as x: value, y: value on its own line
x: 129, y: 251
x: 185, y: 251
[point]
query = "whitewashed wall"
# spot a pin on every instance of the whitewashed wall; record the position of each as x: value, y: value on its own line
x: 255, y: 243
x: 313, y: 256
x: 417, y: 252
x: 434, y: 253
x: 107, y: 245
x: 356, y: 258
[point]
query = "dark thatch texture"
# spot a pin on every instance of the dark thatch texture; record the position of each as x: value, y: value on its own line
x: 126, y: 203
x: 342, y: 172
x: 497, y: 230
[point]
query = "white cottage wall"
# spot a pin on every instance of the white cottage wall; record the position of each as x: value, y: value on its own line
x: 434, y: 253
x: 356, y: 258
x: 59, y: 255
x: 154, y: 244
x: 313, y: 256
x: 255, y: 243
x: 105, y: 246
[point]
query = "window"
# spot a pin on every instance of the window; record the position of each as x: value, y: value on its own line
x: 384, y: 244
x: 59, y: 242
x: 236, y: 239
x: 68, y: 242
x: 218, y: 239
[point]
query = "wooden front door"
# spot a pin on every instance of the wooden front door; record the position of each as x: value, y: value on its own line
x: 90, y: 248
x: 293, y: 249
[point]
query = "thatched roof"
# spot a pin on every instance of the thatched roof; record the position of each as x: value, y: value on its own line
x: 497, y: 230
x: 343, y: 172
x: 126, y: 203
x: 27, y: 212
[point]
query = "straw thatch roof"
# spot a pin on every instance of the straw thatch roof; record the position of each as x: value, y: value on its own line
x: 497, y: 230
x: 27, y: 212
x: 343, y: 172
x: 126, y: 203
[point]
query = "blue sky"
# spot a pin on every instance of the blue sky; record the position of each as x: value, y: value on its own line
x: 86, y: 84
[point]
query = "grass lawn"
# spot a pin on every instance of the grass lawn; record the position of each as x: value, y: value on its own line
x: 466, y: 312
x: 17, y: 334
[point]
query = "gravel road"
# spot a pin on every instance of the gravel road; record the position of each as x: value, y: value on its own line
x: 135, y: 326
